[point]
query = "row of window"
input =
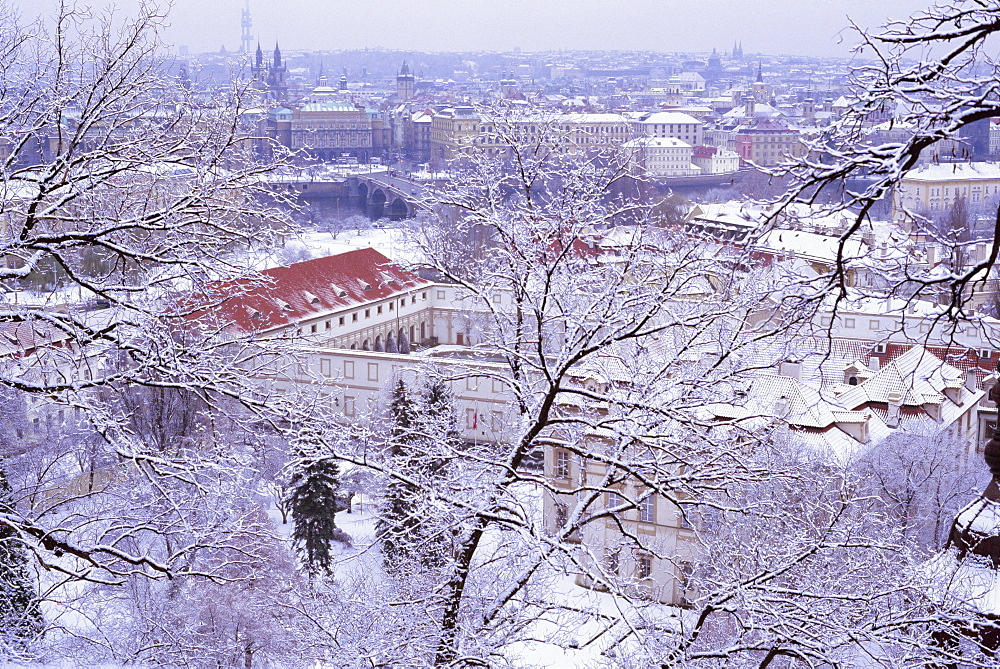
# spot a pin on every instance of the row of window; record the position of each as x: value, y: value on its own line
x: 328, y: 324
x: 613, y: 500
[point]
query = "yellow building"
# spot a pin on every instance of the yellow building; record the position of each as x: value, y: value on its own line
x: 934, y: 188
x: 328, y: 130
x: 633, y: 537
x: 452, y: 131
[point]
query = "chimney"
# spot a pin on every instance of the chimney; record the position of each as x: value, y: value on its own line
x: 792, y: 369
x: 895, y: 405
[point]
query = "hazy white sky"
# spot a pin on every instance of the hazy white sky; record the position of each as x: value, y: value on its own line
x: 804, y: 27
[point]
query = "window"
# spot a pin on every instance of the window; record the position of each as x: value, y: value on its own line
x: 312, y: 328
x: 349, y: 368
x: 612, y: 561
x: 880, y: 348
x: 472, y: 383
x: 471, y: 419
x: 848, y: 322
x: 423, y: 295
x: 368, y: 313
x: 643, y: 566
x: 392, y: 305
x: 354, y: 317
x: 615, y: 500
x: 340, y: 321
x: 874, y: 325
x: 440, y: 295
x: 986, y: 354
x: 379, y: 310
x: 562, y: 516
x: 373, y: 371
x: 348, y: 405
x: 329, y: 324
x: 647, y: 509
x: 402, y: 302
x: 562, y: 465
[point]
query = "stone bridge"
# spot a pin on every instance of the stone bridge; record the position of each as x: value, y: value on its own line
x: 384, y: 196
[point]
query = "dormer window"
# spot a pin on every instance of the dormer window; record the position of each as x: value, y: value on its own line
x: 365, y: 285
x: 285, y: 306
x: 338, y: 291
x: 312, y: 299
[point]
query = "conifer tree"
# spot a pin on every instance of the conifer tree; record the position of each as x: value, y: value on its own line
x: 313, y: 503
x: 398, y: 521
x: 20, y: 617
x: 440, y: 415
x: 423, y: 430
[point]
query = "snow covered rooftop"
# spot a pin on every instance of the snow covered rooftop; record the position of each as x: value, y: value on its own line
x: 954, y: 172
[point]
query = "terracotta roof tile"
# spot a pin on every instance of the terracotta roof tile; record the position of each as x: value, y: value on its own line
x: 304, y: 290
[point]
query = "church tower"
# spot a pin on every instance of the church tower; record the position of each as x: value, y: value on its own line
x: 276, y: 76
x: 258, y: 71
x: 405, y: 83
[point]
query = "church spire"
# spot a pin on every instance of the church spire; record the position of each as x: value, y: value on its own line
x: 260, y: 56
x: 277, y: 55
x: 760, y: 72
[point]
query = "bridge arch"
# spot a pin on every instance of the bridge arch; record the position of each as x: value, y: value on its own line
x: 363, y: 196
x: 376, y: 204
x: 398, y: 210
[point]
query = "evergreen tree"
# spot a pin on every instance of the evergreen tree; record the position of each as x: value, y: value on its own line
x: 313, y: 503
x: 398, y: 521
x: 20, y: 617
x: 440, y: 417
x: 422, y: 432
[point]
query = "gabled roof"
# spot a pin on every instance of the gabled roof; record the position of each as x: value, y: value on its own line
x: 304, y: 290
x: 915, y: 378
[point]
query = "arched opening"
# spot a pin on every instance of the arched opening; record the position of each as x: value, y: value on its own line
x: 397, y: 210
x: 852, y: 381
x: 390, y: 344
x: 378, y: 343
x: 404, y: 342
x: 376, y: 205
x: 363, y: 197
x: 411, y: 333
x: 354, y: 346
x: 366, y: 345
x: 423, y: 331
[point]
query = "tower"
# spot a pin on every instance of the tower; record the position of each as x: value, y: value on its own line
x: 405, y: 83
x: 246, y: 41
x: 258, y: 71
x: 276, y: 76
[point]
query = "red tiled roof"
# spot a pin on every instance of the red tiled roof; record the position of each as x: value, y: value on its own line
x: 304, y: 290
